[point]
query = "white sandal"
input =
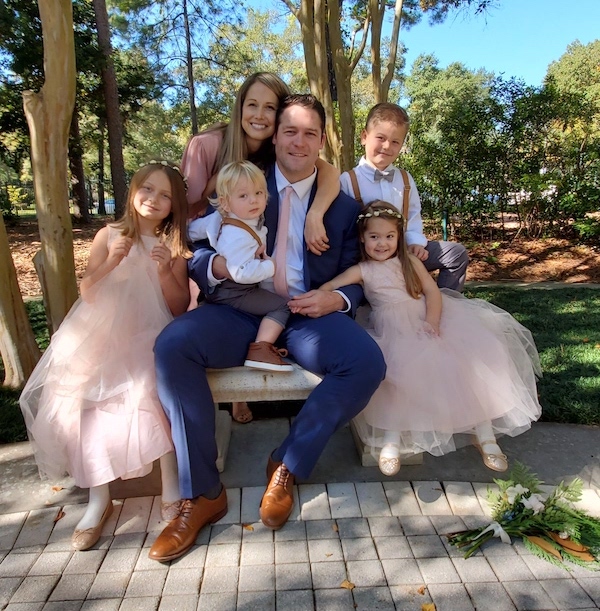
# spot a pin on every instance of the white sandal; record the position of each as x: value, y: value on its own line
x: 389, y: 459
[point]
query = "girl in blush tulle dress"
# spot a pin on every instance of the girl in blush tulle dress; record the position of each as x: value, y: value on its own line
x: 459, y: 371
x: 90, y: 405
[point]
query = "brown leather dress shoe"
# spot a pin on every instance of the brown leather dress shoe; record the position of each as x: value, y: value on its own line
x: 177, y: 538
x: 272, y: 466
x: 278, y: 500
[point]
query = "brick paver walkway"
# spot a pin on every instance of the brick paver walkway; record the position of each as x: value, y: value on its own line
x: 385, y: 538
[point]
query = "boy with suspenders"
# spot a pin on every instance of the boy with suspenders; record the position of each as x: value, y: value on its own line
x: 375, y: 177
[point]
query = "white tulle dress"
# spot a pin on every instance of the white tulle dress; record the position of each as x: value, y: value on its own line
x: 90, y: 405
x: 482, y: 368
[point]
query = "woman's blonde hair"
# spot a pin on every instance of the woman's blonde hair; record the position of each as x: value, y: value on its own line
x: 172, y: 230
x: 384, y: 210
x: 230, y: 175
x: 234, y: 146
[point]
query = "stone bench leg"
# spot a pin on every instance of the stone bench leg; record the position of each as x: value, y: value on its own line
x: 223, y: 435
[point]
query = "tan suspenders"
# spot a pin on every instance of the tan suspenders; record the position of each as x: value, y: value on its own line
x: 229, y: 221
x: 358, y: 197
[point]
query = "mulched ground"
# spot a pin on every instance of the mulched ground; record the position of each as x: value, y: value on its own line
x: 526, y: 260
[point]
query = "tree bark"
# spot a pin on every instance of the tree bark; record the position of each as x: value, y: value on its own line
x: 78, y: 190
x: 343, y: 74
x: 18, y: 349
x: 49, y: 117
x: 190, y: 69
x: 313, y: 17
x: 114, y: 121
x: 101, y: 199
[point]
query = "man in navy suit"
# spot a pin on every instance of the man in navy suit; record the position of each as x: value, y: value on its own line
x: 321, y: 336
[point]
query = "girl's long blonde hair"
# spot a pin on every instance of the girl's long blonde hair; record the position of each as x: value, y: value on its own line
x: 384, y: 210
x: 172, y: 230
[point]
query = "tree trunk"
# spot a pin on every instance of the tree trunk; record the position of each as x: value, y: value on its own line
x: 18, y: 349
x: 312, y: 16
x: 343, y: 74
x: 101, y: 200
x: 114, y: 121
x: 190, y: 70
x: 49, y: 117
x: 377, y: 11
x: 79, y: 192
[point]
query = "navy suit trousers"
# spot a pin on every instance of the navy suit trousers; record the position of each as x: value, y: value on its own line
x: 217, y: 336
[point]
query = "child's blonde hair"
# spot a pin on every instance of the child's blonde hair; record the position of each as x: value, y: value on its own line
x: 384, y: 210
x: 386, y: 111
x: 172, y: 230
x: 230, y: 175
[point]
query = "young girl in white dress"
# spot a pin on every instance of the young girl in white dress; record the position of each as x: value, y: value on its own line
x: 459, y: 370
x: 90, y: 405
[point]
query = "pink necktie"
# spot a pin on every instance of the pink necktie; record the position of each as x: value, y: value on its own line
x: 280, y: 280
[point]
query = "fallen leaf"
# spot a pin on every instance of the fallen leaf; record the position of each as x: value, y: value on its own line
x: 248, y: 526
x: 586, y: 556
x: 545, y: 545
x: 347, y: 585
x: 329, y: 555
x: 585, y: 340
x: 335, y: 528
x: 427, y: 607
x: 568, y: 543
x: 57, y: 488
x: 421, y: 590
x: 597, y: 346
x: 59, y: 516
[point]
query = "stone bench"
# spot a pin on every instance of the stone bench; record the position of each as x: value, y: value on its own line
x: 245, y: 384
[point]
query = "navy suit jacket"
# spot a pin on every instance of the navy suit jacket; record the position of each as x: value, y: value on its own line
x: 340, y: 225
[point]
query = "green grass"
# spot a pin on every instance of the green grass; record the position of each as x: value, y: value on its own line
x: 12, y: 426
x: 566, y: 327
x: 565, y: 324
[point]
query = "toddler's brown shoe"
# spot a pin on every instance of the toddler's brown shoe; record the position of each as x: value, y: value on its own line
x: 263, y: 355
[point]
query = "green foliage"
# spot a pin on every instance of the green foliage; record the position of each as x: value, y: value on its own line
x: 588, y: 229
x: 266, y: 43
x: 480, y: 145
x: 12, y: 425
x: 565, y: 324
x: 22, y: 68
x: 39, y: 324
x: 6, y: 207
x: 20, y: 197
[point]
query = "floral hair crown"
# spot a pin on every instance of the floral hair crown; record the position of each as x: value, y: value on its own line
x: 379, y: 212
x: 166, y: 164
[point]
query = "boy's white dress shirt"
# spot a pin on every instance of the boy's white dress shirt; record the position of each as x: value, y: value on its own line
x: 392, y: 192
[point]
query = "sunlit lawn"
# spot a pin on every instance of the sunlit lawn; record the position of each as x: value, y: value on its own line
x: 565, y: 323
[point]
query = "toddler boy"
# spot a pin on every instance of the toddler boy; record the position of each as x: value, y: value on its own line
x: 376, y: 178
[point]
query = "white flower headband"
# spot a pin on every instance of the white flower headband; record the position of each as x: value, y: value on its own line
x: 166, y: 164
x: 379, y: 212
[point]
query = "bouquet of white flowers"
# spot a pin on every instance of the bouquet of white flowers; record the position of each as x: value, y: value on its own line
x: 549, y: 525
